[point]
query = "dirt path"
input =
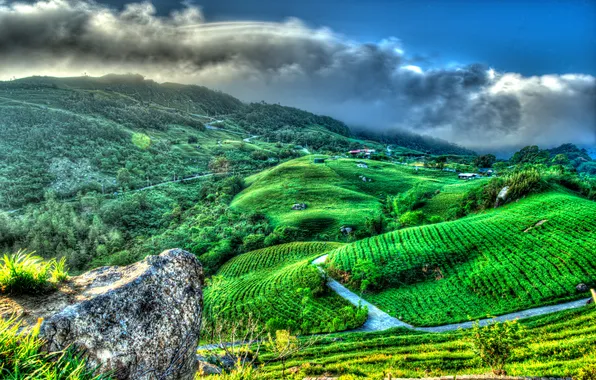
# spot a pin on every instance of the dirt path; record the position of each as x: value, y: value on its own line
x: 379, y: 320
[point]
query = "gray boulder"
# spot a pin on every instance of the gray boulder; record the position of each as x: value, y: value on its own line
x: 299, y: 206
x: 137, y: 322
x: 582, y: 288
x: 502, y: 196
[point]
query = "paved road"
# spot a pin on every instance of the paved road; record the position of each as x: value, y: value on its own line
x: 249, y: 138
x: 378, y: 320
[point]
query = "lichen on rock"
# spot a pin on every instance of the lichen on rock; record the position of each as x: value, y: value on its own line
x: 136, y: 322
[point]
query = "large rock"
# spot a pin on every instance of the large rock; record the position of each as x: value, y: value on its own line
x: 502, y: 196
x: 138, y: 322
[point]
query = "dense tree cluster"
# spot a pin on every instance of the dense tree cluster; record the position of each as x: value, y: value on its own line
x: 424, y: 144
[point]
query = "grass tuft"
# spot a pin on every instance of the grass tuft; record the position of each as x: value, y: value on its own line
x: 25, y: 273
x: 22, y: 357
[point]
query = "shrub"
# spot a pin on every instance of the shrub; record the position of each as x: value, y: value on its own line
x: 588, y: 373
x: 495, y: 342
x: 253, y: 242
x: 240, y: 372
x: 366, y: 276
x: 435, y: 219
x: 21, y: 357
x: 524, y: 182
x: 141, y: 140
x: 411, y: 218
x: 24, y: 273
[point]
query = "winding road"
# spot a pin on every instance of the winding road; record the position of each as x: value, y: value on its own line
x: 379, y: 320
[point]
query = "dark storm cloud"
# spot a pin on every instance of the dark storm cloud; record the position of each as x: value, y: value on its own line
x: 374, y: 85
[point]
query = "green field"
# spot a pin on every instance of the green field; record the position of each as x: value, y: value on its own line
x: 265, y: 284
x: 557, y: 345
x: 449, y: 196
x: 334, y: 193
x: 525, y: 254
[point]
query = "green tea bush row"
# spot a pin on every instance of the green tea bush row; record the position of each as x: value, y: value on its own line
x: 527, y: 254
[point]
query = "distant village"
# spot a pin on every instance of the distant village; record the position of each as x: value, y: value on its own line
x: 417, y: 161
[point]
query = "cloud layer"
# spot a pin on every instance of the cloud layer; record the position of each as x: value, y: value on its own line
x: 370, y: 85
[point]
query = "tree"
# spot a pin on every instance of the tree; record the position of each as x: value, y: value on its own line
x: 366, y: 276
x: 495, y: 342
x: 284, y: 345
x: 411, y: 218
x: 560, y: 159
x: 530, y: 155
x: 441, y: 161
x: 485, y: 161
x: 219, y: 165
x: 124, y: 178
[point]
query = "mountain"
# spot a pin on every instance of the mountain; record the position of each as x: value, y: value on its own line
x: 85, y: 134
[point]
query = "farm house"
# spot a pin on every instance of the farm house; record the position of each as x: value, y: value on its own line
x: 468, y: 176
x: 363, y: 152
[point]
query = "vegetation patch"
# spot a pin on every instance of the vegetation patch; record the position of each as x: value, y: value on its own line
x: 24, y: 273
x: 334, y: 192
x: 22, y: 357
x: 282, y: 289
x: 557, y: 345
x: 480, y: 265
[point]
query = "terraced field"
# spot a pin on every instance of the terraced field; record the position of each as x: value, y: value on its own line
x: 526, y: 254
x: 558, y: 345
x: 334, y: 192
x: 265, y: 283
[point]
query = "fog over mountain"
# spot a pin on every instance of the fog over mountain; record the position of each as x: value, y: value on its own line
x: 368, y: 85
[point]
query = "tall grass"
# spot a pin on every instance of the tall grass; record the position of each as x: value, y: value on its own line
x: 25, y: 273
x: 22, y: 357
x: 524, y: 182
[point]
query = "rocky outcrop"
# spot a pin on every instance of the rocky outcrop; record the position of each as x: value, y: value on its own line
x: 502, y: 196
x: 299, y: 206
x: 137, y: 322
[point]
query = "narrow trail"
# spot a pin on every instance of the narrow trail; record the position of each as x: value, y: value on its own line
x: 379, y: 320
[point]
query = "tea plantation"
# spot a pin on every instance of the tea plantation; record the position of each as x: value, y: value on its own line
x: 280, y: 287
x: 557, y: 345
x: 529, y: 253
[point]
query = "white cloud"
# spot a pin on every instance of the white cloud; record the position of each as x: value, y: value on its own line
x: 372, y: 85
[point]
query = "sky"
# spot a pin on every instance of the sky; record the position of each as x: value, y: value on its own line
x: 529, y: 37
x: 489, y: 75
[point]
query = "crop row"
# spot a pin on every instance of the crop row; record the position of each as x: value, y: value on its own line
x: 271, y: 257
x: 266, y: 285
x: 556, y: 345
x: 494, y: 263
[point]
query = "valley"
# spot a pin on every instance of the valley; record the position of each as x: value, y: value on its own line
x: 370, y: 250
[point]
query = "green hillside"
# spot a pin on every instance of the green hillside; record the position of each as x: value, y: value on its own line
x: 525, y: 254
x: 280, y: 287
x: 558, y: 345
x: 54, y: 136
x: 334, y: 192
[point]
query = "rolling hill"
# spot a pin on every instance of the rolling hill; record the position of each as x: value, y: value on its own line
x: 73, y: 135
x: 532, y: 252
x: 334, y: 192
x: 266, y: 284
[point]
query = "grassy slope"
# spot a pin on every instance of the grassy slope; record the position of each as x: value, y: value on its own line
x: 490, y: 265
x: 557, y: 345
x: 333, y: 192
x: 449, y: 196
x: 50, y: 140
x: 265, y: 283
